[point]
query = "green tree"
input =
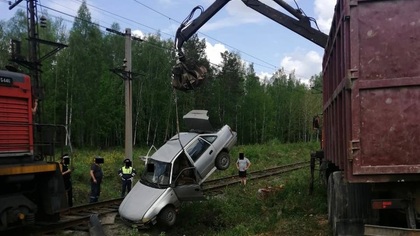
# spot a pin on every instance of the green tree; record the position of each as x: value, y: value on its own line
x: 51, y: 80
x: 14, y: 29
x: 85, y: 75
x: 254, y: 106
x: 314, y: 102
x: 111, y: 99
x: 152, y: 91
x: 82, y: 93
x: 4, y: 46
x: 229, y: 83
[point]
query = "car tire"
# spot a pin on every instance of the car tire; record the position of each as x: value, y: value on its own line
x: 167, y: 216
x: 222, y: 161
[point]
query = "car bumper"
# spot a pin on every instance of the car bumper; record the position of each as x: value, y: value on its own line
x: 144, y: 224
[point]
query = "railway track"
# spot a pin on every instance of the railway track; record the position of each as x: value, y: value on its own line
x: 77, y: 218
x: 221, y: 183
x: 81, y: 214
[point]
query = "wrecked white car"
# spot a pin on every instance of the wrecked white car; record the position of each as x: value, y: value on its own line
x: 174, y: 173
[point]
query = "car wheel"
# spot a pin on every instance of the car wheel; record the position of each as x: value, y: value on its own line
x: 167, y: 216
x: 222, y: 161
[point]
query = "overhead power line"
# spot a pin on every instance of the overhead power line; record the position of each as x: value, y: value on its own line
x: 268, y: 65
x: 122, y: 17
x: 208, y: 36
x: 89, y: 22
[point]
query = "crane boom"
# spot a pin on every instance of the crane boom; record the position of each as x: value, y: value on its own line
x: 301, y: 26
x: 186, y: 79
x: 186, y: 29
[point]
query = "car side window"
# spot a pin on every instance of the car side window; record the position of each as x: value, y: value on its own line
x: 209, y: 139
x: 197, y: 148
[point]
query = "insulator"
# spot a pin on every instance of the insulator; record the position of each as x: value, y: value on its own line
x: 43, y: 22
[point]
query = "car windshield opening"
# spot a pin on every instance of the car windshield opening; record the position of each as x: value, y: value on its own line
x: 156, y: 173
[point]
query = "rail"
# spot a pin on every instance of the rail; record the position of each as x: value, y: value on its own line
x: 217, y: 184
x: 74, y: 217
x: 78, y: 216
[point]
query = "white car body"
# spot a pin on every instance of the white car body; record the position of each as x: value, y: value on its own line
x: 174, y: 173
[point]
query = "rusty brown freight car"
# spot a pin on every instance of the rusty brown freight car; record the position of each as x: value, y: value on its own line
x: 371, y: 127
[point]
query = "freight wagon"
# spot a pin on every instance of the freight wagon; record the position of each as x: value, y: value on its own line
x: 371, y: 106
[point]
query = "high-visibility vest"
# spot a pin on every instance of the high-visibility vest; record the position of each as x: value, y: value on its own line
x: 127, y: 171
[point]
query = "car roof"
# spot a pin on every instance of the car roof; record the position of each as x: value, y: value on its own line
x: 172, y: 147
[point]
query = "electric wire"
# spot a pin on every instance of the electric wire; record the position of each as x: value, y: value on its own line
x: 271, y: 66
x: 208, y: 36
x: 124, y: 18
x: 276, y: 68
x: 98, y: 25
x: 101, y: 26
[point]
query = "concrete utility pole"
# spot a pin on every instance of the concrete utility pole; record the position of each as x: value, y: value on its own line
x: 128, y: 98
x: 127, y: 75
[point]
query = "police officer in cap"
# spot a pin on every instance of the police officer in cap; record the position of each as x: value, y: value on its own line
x: 127, y: 172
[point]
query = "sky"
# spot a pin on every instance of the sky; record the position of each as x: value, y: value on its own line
x: 235, y: 28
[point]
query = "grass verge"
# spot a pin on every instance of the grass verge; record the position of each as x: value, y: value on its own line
x: 289, y: 210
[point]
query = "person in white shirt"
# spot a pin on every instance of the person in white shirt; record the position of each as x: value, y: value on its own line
x: 242, y: 164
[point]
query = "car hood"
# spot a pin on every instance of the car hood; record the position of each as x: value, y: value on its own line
x: 138, y: 201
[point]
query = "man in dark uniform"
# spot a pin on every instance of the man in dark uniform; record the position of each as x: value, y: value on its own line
x: 66, y: 172
x: 127, y: 173
x: 96, y: 176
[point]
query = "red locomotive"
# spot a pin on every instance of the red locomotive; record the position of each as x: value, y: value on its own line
x: 32, y: 189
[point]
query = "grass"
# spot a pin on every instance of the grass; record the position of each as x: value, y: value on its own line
x: 239, y: 210
x: 243, y: 211
x: 110, y: 187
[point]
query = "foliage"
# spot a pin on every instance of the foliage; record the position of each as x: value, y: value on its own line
x: 81, y: 92
x: 113, y: 158
x: 243, y: 211
x: 273, y: 153
x: 239, y: 210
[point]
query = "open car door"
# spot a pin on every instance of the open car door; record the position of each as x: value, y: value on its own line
x: 186, y: 186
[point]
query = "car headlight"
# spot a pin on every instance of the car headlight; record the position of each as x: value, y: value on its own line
x: 145, y: 220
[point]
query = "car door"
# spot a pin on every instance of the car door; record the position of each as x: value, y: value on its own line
x: 186, y: 185
x: 203, y: 154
